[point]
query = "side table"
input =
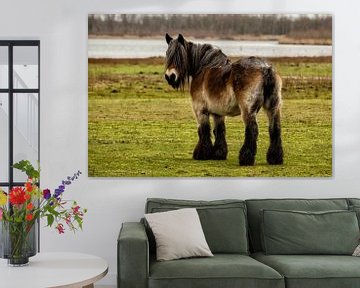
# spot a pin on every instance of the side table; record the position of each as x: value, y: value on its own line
x: 50, y: 270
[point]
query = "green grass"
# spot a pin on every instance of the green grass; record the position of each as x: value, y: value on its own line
x: 138, y: 126
x: 125, y: 69
x: 304, y: 69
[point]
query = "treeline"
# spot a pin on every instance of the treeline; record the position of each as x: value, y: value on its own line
x: 211, y: 25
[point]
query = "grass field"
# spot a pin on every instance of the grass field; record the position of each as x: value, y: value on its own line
x: 139, y: 126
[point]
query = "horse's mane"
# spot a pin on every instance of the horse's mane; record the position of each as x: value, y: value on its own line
x: 190, y: 59
x: 204, y: 56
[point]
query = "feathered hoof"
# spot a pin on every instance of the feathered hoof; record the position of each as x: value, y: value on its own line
x: 202, y: 152
x: 275, y: 156
x: 246, y: 157
x: 219, y: 153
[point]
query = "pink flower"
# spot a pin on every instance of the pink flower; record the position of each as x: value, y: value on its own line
x: 1, y: 212
x: 76, y: 209
x: 60, y: 228
x: 68, y: 219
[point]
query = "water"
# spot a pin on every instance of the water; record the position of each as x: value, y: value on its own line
x: 142, y: 48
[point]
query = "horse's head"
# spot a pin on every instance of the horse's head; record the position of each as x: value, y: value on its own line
x: 176, y: 61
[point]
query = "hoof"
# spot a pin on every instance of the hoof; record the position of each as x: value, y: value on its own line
x: 202, y: 152
x: 246, y: 157
x: 219, y: 153
x: 275, y: 156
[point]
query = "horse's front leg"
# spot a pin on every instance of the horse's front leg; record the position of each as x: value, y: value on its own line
x: 220, y: 149
x: 203, y: 149
x: 248, y: 150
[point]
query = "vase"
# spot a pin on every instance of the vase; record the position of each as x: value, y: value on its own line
x: 18, y: 242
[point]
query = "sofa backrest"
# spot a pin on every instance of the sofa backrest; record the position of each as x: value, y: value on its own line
x: 256, y: 205
x: 223, y: 221
x: 353, y: 202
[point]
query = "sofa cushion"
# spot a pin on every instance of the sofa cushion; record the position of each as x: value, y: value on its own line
x: 354, y: 205
x: 254, y: 207
x: 313, y: 271
x: 223, y: 221
x: 356, y: 209
x: 297, y: 232
x: 178, y: 234
x: 353, y: 201
x: 222, y: 270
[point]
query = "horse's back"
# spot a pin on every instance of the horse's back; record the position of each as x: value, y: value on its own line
x: 251, y: 63
x: 229, y: 88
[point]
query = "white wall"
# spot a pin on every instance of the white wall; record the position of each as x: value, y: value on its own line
x: 62, y: 28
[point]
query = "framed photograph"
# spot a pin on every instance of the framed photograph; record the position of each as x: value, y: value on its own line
x: 210, y: 95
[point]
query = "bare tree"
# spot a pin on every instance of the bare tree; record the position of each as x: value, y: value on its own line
x: 215, y: 25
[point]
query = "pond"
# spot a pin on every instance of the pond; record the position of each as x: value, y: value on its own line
x: 143, y: 48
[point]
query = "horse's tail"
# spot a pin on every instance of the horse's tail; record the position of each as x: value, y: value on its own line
x: 272, y: 85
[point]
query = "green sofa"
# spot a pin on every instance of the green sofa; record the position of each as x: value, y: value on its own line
x: 256, y: 243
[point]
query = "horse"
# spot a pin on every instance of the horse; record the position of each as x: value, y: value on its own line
x: 221, y: 88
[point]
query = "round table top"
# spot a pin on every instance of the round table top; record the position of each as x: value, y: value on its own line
x: 60, y: 269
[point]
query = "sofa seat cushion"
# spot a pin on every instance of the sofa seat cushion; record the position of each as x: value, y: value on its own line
x: 222, y: 270
x: 313, y: 271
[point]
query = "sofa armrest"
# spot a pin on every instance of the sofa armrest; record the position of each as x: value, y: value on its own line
x: 133, y: 256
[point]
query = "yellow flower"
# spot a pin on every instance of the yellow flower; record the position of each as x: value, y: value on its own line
x: 3, y: 198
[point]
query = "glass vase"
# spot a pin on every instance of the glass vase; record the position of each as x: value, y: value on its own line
x: 18, y: 242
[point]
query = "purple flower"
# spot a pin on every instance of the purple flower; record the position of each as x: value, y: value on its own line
x: 58, y: 192
x: 68, y: 181
x: 46, y: 194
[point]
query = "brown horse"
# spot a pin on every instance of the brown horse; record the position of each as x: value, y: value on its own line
x: 220, y: 88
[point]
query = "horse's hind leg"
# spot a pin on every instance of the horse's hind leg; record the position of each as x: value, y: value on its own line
x: 220, y: 146
x: 275, y: 152
x: 272, y: 107
x: 203, y: 149
x: 248, y: 150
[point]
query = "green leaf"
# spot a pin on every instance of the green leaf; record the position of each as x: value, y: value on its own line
x: 79, y: 221
x: 28, y: 168
x: 53, y: 211
x: 50, y: 219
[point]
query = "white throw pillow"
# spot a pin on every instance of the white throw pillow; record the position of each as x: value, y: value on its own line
x: 178, y: 234
x: 357, y: 251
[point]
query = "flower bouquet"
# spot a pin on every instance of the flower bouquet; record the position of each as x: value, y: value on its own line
x: 21, y: 208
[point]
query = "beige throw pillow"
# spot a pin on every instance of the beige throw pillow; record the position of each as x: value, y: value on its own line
x: 357, y: 251
x: 178, y: 234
